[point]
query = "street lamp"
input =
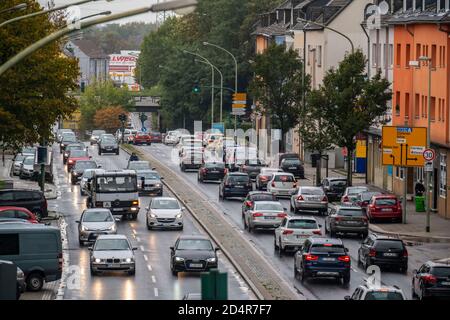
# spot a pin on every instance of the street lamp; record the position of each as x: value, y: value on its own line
x: 428, y: 198
x: 103, y: 13
x: 165, y: 6
x: 221, y: 86
x: 39, y: 13
x: 20, y: 6
x: 212, y: 80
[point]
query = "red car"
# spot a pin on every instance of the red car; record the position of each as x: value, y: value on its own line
x: 18, y: 213
x: 156, y: 137
x: 142, y: 138
x: 76, y: 155
x: 385, y: 207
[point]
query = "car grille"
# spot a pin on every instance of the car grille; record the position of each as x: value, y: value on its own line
x: 113, y: 260
x: 121, y: 203
x: 165, y: 220
x: 189, y: 262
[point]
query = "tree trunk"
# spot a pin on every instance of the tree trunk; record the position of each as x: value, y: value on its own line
x: 319, y: 169
x: 349, y: 166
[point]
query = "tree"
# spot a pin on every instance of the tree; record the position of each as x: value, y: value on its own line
x: 315, y: 128
x: 33, y: 94
x: 278, y: 87
x: 354, y: 102
x: 108, y: 118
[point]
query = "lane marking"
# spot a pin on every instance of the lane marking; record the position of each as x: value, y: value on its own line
x: 156, y: 292
x: 138, y: 239
x: 134, y: 231
x: 145, y: 257
x: 153, y: 279
x: 142, y: 248
x: 149, y: 267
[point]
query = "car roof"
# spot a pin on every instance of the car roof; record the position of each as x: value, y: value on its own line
x: 282, y: 174
x: 384, y: 237
x: 194, y: 237
x: 368, y: 287
x: 164, y: 198
x: 97, y: 209
x: 252, y: 193
x: 237, y: 174
x: 112, y: 236
x: 319, y: 240
x: 335, y: 178
x: 301, y: 218
x: 26, y: 226
x: 439, y: 263
x: 388, y: 196
x: 111, y: 173
x: 3, y: 208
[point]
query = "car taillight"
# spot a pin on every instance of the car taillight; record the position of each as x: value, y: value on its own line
x: 70, y: 161
x: 60, y: 261
x: 365, y: 219
x: 287, y: 231
x: 429, y: 279
x: 318, y: 232
x: 282, y: 215
x: 257, y: 214
x: 273, y: 184
x: 337, y: 218
x: 294, y: 185
x: 345, y: 199
x: 310, y: 257
x: 264, y: 178
x: 300, y: 198
x: 248, y: 203
x: 405, y: 253
x: 325, y: 199
x: 372, y: 253
x: 344, y: 258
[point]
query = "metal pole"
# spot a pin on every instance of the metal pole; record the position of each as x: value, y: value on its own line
x: 428, y: 189
x: 405, y: 190
x: 212, y: 97
x: 221, y: 84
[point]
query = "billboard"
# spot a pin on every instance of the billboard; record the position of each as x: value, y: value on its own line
x: 122, y: 67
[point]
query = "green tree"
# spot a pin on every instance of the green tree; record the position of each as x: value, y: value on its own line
x: 354, y: 102
x: 33, y: 94
x: 278, y: 87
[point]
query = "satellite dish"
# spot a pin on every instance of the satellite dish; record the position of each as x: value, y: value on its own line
x: 383, y: 7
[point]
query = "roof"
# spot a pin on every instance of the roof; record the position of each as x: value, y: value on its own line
x: 193, y: 237
x: 237, y: 174
x: 15, y: 226
x: 112, y: 236
x: 109, y: 173
x: 301, y: 217
x: 319, y: 240
x: 91, y: 49
x: 336, y: 178
x: 429, y: 15
x: 252, y: 193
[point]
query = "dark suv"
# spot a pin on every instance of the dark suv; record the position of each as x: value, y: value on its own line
x: 383, y: 251
x: 432, y: 279
x: 322, y: 258
x: 291, y: 163
x: 254, y: 196
x: 32, y: 200
x: 334, y: 188
x: 346, y: 219
x: 235, y: 184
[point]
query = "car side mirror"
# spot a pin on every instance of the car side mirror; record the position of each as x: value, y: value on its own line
x: 78, y: 221
x: 346, y: 249
x: 90, y: 157
x: 161, y: 178
x: 135, y: 248
x: 117, y: 219
x: 216, y: 249
x: 99, y: 166
x: 153, y: 168
x: 172, y: 248
x: 348, y: 298
x: 415, y: 271
x: 183, y: 208
x: 320, y: 226
x: 90, y: 248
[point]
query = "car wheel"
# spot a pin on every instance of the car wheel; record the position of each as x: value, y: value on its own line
x: 148, y: 226
x: 80, y: 242
x: 280, y: 248
x: 249, y: 228
x: 365, y: 235
x: 35, y: 282
x: 275, y: 243
x: 117, y: 152
x: 134, y: 216
x: 422, y: 293
x: 93, y: 273
x: 367, y: 263
x: 296, y: 273
x: 132, y: 272
x: 403, y: 269
x: 302, y: 276
x: 413, y: 291
x: 346, y: 279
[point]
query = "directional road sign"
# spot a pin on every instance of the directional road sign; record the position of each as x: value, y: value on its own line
x: 404, y: 146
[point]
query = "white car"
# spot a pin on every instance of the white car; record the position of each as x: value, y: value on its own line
x: 164, y: 212
x: 371, y: 292
x: 171, y: 138
x: 18, y: 160
x: 293, y: 232
x: 282, y: 184
x: 209, y: 138
x: 27, y: 168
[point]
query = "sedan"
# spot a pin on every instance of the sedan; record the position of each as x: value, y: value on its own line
x: 165, y: 213
x: 27, y: 168
x: 235, y: 185
x: 211, y: 171
x: 155, y: 137
x: 362, y: 199
x: 351, y: 194
x: 293, y: 232
x: 70, y: 147
x: 193, y: 253
x: 141, y: 138
x: 149, y: 183
x: 252, y: 167
x: 385, y: 207
x: 255, y: 196
x: 264, y: 215
x: 282, y: 184
x: 309, y: 199
x: 95, y: 222
x: 78, y: 170
x: 18, y: 213
x: 108, y: 144
x: 112, y: 253
x: 264, y: 177
x: 76, y: 155
x: 346, y: 219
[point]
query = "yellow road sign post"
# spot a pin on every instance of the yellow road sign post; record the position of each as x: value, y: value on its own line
x: 404, y: 146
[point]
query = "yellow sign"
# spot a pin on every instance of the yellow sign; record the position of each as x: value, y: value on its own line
x: 361, y: 149
x: 404, y: 146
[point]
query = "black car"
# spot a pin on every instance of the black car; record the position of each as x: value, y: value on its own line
x: 383, y: 251
x: 334, y: 188
x: 211, y: 171
x: 322, y: 258
x: 346, y: 219
x: 432, y: 279
x: 70, y: 147
x: 193, y: 253
x: 32, y: 200
x: 254, y: 196
x: 65, y: 141
x: 252, y: 167
x: 79, y: 167
x: 235, y: 184
x: 290, y: 162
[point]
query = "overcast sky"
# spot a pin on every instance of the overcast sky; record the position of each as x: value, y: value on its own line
x: 114, y: 6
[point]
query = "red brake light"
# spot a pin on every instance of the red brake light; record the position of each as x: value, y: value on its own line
x: 405, y: 253
x: 345, y: 199
x: 257, y: 214
x: 273, y: 184
x: 325, y: 199
x: 264, y: 178
x: 282, y: 215
x: 344, y: 258
x: 318, y: 232
x: 429, y: 279
x: 337, y: 218
x: 372, y: 253
x: 70, y: 161
x: 327, y: 244
x: 248, y: 203
x: 310, y: 257
x: 300, y: 198
x: 287, y: 231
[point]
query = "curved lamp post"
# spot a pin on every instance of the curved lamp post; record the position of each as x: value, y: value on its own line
x: 221, y: 84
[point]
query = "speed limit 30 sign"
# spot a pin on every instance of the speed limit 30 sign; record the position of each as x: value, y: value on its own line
x: 429, y: 155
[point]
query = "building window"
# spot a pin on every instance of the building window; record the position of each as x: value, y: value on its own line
x: 319, y: 56
x: 397, y: 103
x: 443, y: 176
x: 439, y: 109
x: 374, y: 55
x: 433, y: 109
x: 309, y: 54
x: 443, y: 57
x: 398, y: 55
x: 443, y: 110
x: 418, y: 51
x: 433, y: 56
x: 399, y: 172
x: 408, y: 55
x: 391, y: 55
x: 417, y: 106
x: 406, y: 105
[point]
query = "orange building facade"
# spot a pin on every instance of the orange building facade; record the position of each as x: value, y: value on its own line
x: 410, y: 100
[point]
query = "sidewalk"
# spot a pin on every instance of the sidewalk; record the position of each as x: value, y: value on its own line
x: 414, y: 229
x: 5, y: 175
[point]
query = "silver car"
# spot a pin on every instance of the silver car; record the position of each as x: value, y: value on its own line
x: 27, y: 168
x: 265, y: 215
x: 95, y: 136
x: 282, y: 184
x: 107, y: 144
x: 309, y: 199
x: 351, y: 194
x: 18, y: 160
x: 95, y: 222
x: 112, y: 253
x: 165, y: 213
x: 293, y: 232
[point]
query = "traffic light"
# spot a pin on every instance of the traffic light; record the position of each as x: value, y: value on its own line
x: 143, y: 117
x: 123, y: 117
x: 196, y: 89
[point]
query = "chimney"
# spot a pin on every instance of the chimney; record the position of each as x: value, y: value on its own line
x: 446, y: 5
x: 414, y: 5
x: 404, y: 5
x: 438, y: 6
x: 423, y: 5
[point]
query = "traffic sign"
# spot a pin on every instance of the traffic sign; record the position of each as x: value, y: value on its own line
x: 429, y: 155
x: 404, y: 146
x: 239, y: 103
x: 429, y: 166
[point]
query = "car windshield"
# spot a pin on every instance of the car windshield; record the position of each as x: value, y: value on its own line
x: 80, y: 165
x: 366, y: 196
x: 302, y: 224
x: 236, y: 179
x: 312, y: 191
x: 168, y: 204
x: 291, y: 162
x: 69, y: 138
x: 351, y: 212
x: 262, y: 197
x: 74, y: 147
x: 284, y: 178
x: 19, y: 157
x: 108, y: 140
x: 78, y: 153
x: 111, y: 244
x: 135, y: 165
x: 29, y: 160
x: 97, y: 216
x: 255, y: 162
x: 268, y: 206
x: 194, y: 244
x: 356, y: 190
x: 149, y: 175
x: 117, y: 184
x: 383, y: 295
x: 338, y: 183
x: 441, y: 272
x: 98, y: 132
x: 320, y: 248
x: 385, y: 202
x: 389, y: 244
x: 220, y: 165
x: 28, y: 150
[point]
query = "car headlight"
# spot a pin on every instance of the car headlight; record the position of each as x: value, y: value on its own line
x: 128, y: 260
x: 179, y: 259
x: 158, y: 185
x: 212, y: 260
x: 83, y: 228
x: 97, y: 260
x: 136, y: 202
x: 20, y: 274
x: 152, y: 215
x: 179, y: 216
x: 112, y: 228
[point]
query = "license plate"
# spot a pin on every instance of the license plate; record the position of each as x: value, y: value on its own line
x: 196, y: 265
x: 390, y: 254
x: 329, y: 259
x: 269, y: 218
x: 106, y: 204
x: 114, y: 265
x: 240, y: 187
x: 214, y: 171
x: 292, y: 168
x: 148, y: 188
x: 352, y: 222
x: 386, y: 210
x: 117, y: 209
x: 445, y: 283
x: 300, y: 236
